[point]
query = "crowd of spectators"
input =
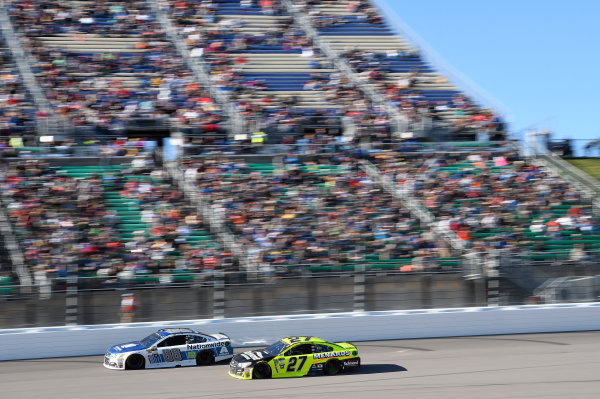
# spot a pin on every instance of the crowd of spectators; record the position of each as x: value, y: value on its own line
x: 64, y: 222
x: 104, y: 88
x: 323, y: 212
x: 496, y: 198
x: 57, y: 218
x: 221, y: 41
x: 171, y: 222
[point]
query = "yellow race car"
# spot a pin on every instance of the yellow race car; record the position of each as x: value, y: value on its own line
x: 295, y: 357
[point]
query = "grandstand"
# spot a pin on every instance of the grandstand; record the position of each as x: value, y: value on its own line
x: 152, y: 183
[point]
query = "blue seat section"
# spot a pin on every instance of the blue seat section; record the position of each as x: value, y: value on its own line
x: 305, y: 112
x: 279, y: 51
x: 405, y: 64
x: 353, y: 25
x: 438, y: 95
x: 356, y: 29
x: 279, y: 81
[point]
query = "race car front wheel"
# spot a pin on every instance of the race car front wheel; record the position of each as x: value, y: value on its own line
x: 261, y: 370
x: 332, y: 367
x: 205, y: 357
x: 135, y: 362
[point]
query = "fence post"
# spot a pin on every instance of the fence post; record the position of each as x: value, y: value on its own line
x: 71, y: 294
x: 218, y: 293
x: 426, y: 300
x: 359, y: 287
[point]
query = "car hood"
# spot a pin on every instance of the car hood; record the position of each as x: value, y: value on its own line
x: 127, y: 347
x: 252, y: 357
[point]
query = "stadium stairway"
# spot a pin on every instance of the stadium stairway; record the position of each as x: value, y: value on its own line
x: 355, y: 33
x: 11, y: 86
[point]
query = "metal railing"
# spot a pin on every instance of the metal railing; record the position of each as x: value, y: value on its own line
x: 200, y: 69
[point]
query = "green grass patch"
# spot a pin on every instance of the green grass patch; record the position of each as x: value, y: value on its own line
x: 591, y: 166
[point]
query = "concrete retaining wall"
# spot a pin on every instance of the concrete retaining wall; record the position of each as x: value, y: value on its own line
x: 46, y: 342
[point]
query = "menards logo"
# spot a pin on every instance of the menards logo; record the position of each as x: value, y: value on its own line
x: 330, y: 354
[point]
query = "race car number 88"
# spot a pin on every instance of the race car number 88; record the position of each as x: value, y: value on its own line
x: 172, y: 355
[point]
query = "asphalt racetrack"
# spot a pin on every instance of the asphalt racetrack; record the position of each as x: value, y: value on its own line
x: 510, y: 366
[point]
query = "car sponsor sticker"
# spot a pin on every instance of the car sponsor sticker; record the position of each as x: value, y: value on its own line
x: 280, y: 362
x: 207, y: 345
x: 351, y: 363
x: 224, y: 351
x: 325, y: 355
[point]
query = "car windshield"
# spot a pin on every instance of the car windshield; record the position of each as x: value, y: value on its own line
x: 151, y: 339
x: 276, y: 348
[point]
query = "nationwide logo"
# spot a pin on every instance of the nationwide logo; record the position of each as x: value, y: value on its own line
x: 330, y: 354
x: 205, y: 346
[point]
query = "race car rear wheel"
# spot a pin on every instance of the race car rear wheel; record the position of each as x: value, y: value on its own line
x: 261, y: 370
x: 332, y: 367
x: 135, y: 362
x: 205, y: 357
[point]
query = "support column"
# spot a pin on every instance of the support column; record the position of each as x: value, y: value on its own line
x: 71, y: 306
x: 218, y: 294
x: 359, y: 288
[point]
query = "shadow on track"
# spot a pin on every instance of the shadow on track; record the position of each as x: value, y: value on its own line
x: 378, y: 369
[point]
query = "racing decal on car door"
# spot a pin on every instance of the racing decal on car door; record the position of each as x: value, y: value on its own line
x: 296, y: 364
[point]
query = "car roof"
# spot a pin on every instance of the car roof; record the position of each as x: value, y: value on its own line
x: 168, y: 331
x: 314, y: 340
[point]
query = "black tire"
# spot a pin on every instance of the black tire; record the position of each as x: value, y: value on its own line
x: 205, y: 357
x: 332, y: 367
x: 135, y: 362
x: 261, y: 371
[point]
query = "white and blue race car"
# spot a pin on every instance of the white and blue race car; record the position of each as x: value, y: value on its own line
x: 170, y: 347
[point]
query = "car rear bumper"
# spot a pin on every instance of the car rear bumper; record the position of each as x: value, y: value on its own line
x: 352, y: 363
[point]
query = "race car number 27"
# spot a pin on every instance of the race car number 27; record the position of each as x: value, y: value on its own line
x: 292, y: 364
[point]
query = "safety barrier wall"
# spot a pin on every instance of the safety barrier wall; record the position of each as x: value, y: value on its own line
x: 46, y: 342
